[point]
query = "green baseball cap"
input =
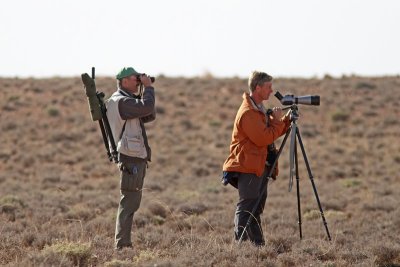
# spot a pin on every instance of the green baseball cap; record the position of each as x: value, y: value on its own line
x: 125, y: 72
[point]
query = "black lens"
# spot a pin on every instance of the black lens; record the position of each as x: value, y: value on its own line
x: 278, y: 95
x: 315, y: 100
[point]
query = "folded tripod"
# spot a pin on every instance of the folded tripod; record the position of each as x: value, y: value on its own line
x: 98, y: 112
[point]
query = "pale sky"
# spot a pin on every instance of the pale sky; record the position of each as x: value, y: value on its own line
x: 44, y: 38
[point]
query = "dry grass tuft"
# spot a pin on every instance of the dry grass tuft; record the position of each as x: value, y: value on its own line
x: 12, y: 200
x: 158, y: 209
x: 78, y: 253
x: 386, y: 256
x: 145, y: 256
x: 118, y: 263
x: 340, y: 116
x: 195, y: 208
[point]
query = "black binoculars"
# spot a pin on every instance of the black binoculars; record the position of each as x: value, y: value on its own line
x: 152, y: 79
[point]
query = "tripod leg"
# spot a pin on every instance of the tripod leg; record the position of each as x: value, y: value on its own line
x: 298, y: 187
x: 103, y: 133
x: 291, y: 154
x: 313, y: 184
x: 263, y: 187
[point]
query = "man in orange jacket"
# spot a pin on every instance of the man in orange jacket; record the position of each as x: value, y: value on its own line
x: 253, y: 132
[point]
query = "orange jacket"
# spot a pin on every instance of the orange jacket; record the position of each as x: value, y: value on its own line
x: 250, y: 138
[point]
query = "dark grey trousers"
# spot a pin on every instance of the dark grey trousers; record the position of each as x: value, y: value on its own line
x: 131, y: 180
x: 249, y: 187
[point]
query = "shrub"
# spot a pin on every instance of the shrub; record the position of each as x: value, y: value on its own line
x: 158, y: 209
x: 160, y: 110
x: 53, y: 112
x: 281, y: 244
x: 312, y: 215
x: 340, y: 116
x: 28, y: 238
x: 350, y: 182
x: 13, y: 98
x: 365, y: 85
x: 215, y: 123
x: 385, y: 256
x: 79, y: 212
x: 190, y: 209
x: 9, y: 204
x: 78, y: 253
x: 145, y: 255
x: 118, y: 263
x: 12, y: 200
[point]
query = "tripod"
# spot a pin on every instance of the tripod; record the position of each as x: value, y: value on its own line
x: 99, y: 112
x: 294, y: 132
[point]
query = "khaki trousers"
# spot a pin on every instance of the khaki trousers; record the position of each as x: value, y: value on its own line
x: 131, y: 180
x: 249, y: 187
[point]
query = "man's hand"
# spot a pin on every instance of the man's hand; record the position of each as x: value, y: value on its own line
x: 145, y: 80
x: 277, y: 113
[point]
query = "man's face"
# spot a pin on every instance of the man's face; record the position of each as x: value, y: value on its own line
x: 265, y: 90
x: 130, y: 83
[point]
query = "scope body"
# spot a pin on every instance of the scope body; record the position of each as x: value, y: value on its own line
x: 288, y: 100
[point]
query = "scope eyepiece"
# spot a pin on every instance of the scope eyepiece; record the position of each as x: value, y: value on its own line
x: 278, y: 95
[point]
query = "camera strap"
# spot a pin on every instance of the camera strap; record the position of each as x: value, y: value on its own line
x: 271, y: 149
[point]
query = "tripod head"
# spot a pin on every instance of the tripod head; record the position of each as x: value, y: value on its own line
x: 294, y: 112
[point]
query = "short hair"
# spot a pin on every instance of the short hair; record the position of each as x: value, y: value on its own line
x: 258, y: 78
x: 119, y: 82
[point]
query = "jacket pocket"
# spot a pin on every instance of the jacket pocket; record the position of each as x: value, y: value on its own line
x: 133, y: 144
x: 253, y: 160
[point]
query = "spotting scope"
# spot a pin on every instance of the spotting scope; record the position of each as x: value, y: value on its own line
x: 289, y: 100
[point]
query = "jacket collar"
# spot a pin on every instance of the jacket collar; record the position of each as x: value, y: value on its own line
x: 125, y: 93
x: 249, y: 102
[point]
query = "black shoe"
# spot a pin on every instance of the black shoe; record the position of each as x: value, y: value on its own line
x: 258, y: 243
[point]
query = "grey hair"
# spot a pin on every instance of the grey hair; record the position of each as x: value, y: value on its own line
x: 258, y: 78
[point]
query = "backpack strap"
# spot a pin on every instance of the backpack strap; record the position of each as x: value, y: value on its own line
x: 122, y: 132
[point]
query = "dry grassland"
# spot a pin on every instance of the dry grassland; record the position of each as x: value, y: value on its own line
x: 59, y: 193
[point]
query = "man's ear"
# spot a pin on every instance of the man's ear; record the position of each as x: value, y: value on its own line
x: 123, y: 81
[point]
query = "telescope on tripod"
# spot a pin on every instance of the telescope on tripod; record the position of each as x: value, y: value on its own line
x: 292, y: 102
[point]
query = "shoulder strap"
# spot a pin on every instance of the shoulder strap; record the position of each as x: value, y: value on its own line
x: 123, y: 129
x: 123, y: 93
